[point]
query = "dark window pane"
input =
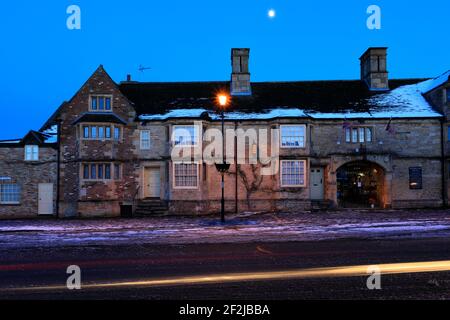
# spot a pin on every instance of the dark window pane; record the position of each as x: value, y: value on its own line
x: 116, y: 133
x: 108, y: 132
x: 85, y: 171
x: 101, y: 103
x: 101, y: 132
x: 93, y: 171
x: 108, y: 103
x: 93, y: 132
x: 107, y: 171
x: 117, y: 171
x: 86, y: 132
x: 94, y: 103
x: 100, y: 171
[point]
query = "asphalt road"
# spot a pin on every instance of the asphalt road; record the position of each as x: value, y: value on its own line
x: 128, y: 266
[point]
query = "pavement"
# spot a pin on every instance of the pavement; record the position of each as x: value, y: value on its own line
x: 247, y: 227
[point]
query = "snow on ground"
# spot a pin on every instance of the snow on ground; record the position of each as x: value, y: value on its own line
x: 239, y: 228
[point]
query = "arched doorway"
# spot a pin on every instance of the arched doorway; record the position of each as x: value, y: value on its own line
x: 360, y: 184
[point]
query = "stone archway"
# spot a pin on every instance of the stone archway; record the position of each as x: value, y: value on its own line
x: 361, y: 184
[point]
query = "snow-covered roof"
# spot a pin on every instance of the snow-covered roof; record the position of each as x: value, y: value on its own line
x: 403, y: 102
x: 197, y: 113
x: 432, y: 84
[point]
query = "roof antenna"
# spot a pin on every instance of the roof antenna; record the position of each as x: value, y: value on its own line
x: 142, y: 68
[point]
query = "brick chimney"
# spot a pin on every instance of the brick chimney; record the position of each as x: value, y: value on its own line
x: 374, y: 68
x: 240, y: 76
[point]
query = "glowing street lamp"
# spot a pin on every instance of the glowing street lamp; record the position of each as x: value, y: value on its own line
x: 223, y: 102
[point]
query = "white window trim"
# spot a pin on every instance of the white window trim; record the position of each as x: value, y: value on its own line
x: 101, y: 96
x: 291, y: 185
x: 175, y: 187
x: 292, y: 125
x: 197, y: 131
x: 142, y: 140
x: 32, y: 153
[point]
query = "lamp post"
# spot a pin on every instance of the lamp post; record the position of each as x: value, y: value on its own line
x: 223, y: 167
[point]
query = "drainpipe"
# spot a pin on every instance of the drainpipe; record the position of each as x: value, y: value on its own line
x: 444, y: 187
x: 236, y: 204
x: 58, y: 165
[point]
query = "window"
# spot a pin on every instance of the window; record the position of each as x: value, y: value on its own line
x: 145, y: 140
x: 116, y: 171
x: 185, y: 135
x: 31, y: 153
x: 185, y: 175
x: 358, y: 135
x: 293, y: 136
x: 448, y: 94
x: 415, y: 178
x: 116, y: 133
x: 9, y: 193
x: 101, y: 103
x: 293, y: 173
x: 86, y: 132
x: 98, y: 132
x: 99, y: 171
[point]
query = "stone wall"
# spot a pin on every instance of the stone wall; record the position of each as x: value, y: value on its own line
x: 28, y: 175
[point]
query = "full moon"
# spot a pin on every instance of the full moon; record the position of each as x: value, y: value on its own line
x: 271, y: 13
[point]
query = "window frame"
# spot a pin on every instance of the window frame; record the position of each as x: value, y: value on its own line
x: 34, y: 152
x: 17, y: 193
x: 197, y: 134
x: 96, y: 98
x: 174, y: 185
x: 304, y: 174
x: 105, y: 168
x: 351, y: 138
x: 301, y: 146
x: 141, y: 139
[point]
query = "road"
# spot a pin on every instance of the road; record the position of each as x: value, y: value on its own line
x: 229, y: 271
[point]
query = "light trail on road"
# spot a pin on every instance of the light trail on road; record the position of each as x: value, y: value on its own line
x: 334, y: 272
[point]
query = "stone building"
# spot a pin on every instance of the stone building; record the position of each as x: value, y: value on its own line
x: 374, y: 143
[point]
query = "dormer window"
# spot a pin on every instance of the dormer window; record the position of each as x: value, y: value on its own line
x: 101, y: 103
x: 31, y: 153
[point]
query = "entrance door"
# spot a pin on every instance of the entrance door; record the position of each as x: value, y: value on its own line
x: 152, y: 183
x: 45, y: 204
x: 316, y: 183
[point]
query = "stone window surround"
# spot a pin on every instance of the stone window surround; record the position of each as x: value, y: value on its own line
x: 112, y: 171
x: 175, y: 187
x: 100, y: 124
x: 304, y: 173
x: 293, y: 125
x: 358, y: 127
x: 101, y: 95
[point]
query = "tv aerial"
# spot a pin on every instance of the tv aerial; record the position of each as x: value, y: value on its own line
x: 142, y: 68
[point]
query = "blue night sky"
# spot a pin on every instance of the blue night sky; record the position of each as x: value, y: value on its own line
x: 43, y: 63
